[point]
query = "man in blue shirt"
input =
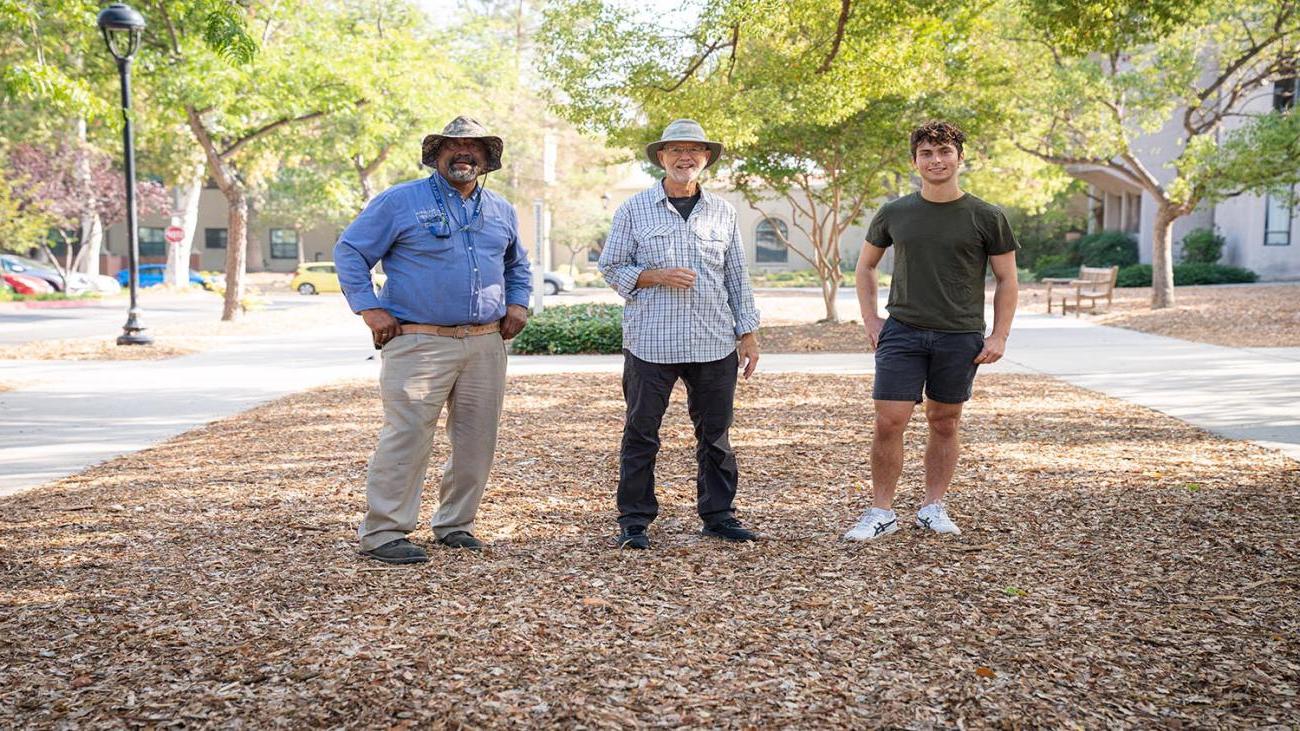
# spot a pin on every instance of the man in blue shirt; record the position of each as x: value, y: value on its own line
x: 458, y: 287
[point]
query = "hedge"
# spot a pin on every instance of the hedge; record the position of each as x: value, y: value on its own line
x: 1108, y: 248
x: 1139, y: 275
x: 566, y: 329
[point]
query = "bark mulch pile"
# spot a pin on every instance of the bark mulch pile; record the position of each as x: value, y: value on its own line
x: 101, y: 349
x: 1117, y: 568
x: 1255, y: 316
x: 819, y: 337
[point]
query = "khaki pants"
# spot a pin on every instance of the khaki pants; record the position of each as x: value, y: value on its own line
x: 420, y: 374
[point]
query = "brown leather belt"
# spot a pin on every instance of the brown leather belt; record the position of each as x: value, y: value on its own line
x: 458, y: 331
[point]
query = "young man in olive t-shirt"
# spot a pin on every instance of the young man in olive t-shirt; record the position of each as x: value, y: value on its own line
x: 934, y: 339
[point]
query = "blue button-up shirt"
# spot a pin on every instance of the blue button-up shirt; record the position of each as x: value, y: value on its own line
x: 669, y: 325
x: 465, y: 278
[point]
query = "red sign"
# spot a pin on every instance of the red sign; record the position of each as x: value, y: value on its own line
x: 174, y: 234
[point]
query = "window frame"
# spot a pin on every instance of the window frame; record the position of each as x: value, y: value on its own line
x: 271, y: 237
x: 781, y: 248
x: 161, y: 243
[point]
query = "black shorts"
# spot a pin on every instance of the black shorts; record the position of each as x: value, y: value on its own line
x: 910, y: 358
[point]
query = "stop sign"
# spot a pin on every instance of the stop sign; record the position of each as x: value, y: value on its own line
x: 174, y: 234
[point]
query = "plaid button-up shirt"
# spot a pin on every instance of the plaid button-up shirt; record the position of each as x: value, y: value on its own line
x: 669, y: 325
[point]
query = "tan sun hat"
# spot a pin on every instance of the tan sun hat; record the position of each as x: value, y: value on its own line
x: 683, y: 130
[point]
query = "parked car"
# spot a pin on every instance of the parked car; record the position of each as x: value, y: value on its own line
x: 315, y: 277
x: 14, y: 264
x: 151, y: 274
x: 555, y: 283
x: 27, y: 284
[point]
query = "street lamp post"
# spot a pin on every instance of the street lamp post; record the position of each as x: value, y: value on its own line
x: 122, y: 27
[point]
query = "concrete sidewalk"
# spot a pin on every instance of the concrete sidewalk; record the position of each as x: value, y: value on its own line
x: 65, y: 416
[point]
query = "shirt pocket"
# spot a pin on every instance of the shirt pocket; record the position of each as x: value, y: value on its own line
x: 654, y: 246
x: 712, y: 244
x: 430, y: 222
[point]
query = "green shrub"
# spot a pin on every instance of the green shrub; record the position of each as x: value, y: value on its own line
x: 1108, y: 248
x: 1200, y: 273
x: 1139, y: 275
x: 1202, y: 246
x: 1134, y: 275
x: 1055, y: 266
x: 591, y: 328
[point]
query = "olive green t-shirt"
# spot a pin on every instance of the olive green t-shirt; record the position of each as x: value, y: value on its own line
x: 941, y: 251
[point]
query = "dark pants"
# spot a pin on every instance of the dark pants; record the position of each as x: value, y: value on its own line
x: 710, y: 393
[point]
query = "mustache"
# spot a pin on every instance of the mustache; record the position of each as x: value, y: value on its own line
x: 464, y: 158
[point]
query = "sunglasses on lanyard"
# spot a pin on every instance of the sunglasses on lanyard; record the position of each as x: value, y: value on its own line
x: 441, y: 227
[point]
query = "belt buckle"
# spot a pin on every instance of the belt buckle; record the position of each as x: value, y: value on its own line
x: 462, y: 332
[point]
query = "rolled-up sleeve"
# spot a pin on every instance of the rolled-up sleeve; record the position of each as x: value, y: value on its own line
x: 740, y: 294
x: 618, y: 259
x: 361, y: 246
x: 518, y: 270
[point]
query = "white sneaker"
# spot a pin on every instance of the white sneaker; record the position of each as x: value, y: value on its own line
x: 873, y: 524
x: 935, y: 517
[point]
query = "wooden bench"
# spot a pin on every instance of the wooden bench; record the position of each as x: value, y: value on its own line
x: 1092, y: 284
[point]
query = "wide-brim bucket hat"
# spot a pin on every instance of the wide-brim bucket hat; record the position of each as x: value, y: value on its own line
x: 683, y: 130
x: 463, y: 128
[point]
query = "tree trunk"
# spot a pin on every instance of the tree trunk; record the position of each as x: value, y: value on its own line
x: 91, y: 225
x: 187, y: 210
x: 255, y: 257
x: 92, y: 244
x: 831, y: 288
x: 236, y: 252
x: 1162, y: 261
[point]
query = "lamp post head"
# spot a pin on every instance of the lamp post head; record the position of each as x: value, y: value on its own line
x: 121, y: 26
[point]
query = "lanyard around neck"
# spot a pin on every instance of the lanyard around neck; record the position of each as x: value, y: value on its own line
x: 438, y: 194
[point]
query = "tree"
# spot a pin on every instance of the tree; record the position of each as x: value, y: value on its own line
x: 49, y: 183
x: 1089, y: 94
x: 244, y: 78
x: 827, y: 174
x: 813, y: 100
x: 55, y: 87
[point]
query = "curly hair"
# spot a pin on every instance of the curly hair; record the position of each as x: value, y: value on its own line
x: 938, y: 133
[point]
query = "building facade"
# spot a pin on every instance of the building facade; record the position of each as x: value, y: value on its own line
x: 1261, y: 232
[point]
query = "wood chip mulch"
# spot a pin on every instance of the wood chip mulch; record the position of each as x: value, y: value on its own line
x: 1117, y: 568
x: 100, y: 349
x: 819, y: 337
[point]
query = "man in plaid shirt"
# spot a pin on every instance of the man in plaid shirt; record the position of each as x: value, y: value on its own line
x: 674, y: 253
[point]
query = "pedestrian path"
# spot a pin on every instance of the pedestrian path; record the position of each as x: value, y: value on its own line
x: 65, y: 416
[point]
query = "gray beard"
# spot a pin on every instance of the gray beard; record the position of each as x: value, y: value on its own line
x: 465, y: 177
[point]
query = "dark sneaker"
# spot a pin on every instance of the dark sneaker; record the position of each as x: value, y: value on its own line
x: 398, y: 551
x: 461, y: 539
x: 633, y: 536
x: 729, y: 530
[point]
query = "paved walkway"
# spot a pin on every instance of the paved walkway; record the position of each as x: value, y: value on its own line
x: 65, y: 416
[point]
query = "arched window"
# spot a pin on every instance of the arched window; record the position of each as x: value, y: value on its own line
x: 769, y: 238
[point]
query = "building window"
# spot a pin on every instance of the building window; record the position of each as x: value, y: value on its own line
x: 152, y: 242
x: 769, y: 238
x: 1278, y: 212
x: 215, y: 238
x: 1284, y: 91
x: 284, y: 243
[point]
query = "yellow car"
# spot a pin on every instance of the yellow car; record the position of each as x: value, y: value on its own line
x: 321, y: 276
